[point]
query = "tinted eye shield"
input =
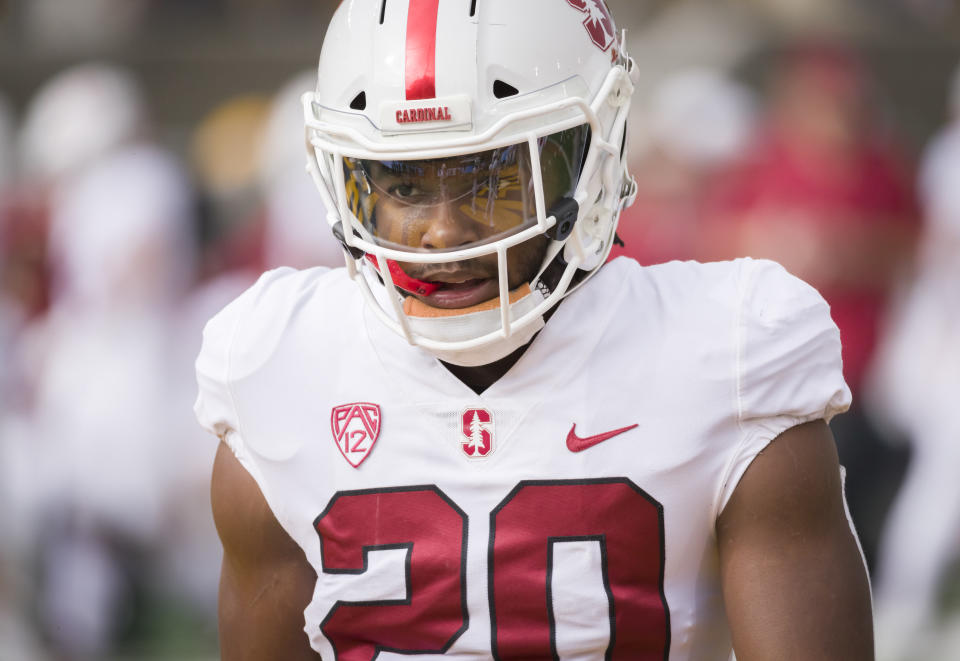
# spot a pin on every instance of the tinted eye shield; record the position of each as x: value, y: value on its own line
x: 468, y: 200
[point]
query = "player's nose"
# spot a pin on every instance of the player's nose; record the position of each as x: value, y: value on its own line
x: 447, y: 228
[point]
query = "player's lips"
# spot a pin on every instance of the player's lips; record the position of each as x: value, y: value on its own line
x: 460, y: 290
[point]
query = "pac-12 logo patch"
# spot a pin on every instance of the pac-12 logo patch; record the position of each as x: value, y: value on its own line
x: 598, y: 22
x: 477, y: 431
x: 355, y: 429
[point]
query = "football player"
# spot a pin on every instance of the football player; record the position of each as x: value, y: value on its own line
x: 477, y: 440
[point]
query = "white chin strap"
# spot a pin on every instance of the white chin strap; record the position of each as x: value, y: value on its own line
x: 462, y: 327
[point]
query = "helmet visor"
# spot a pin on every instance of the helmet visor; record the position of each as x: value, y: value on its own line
x: 462, y: 201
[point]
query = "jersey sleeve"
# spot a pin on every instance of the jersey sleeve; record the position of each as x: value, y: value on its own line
x: 214, y: 408
x: 217, y: 364
x: 788, y: 364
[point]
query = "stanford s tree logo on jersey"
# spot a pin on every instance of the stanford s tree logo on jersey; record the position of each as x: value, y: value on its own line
x: 477, y: 431
x: 598, y: 22
x: 355, y: 429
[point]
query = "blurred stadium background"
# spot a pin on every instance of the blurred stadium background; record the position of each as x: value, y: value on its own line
x: 151, y: 166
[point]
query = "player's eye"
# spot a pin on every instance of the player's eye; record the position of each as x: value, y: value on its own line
x: 404, y: 191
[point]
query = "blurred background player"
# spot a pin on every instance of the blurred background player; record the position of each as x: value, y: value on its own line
x: 11, y: 316
x: 258, y: 213
x: 225, y: 150
x: 17, y: 637
x: 7, y: 133
x: 697, y: 123
x: 121, y: 249
x: 917, y: 388
x: 292, y: 236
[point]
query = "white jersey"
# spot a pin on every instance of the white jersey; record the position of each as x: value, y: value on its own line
x: 567, y: 512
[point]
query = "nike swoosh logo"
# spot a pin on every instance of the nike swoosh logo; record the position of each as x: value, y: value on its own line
x: 577, y: 444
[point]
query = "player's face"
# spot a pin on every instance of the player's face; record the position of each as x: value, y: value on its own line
x: 445, y: 217
x: 460, y: 202
x: 448, y: 204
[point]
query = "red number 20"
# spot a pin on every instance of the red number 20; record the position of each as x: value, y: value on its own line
x: 626, y: 521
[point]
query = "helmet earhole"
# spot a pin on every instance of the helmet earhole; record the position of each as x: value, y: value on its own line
x: 359, y: 101
x: 565, y: 211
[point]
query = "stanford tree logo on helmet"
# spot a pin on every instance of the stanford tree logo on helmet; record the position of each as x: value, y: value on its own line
x: 598, y: 22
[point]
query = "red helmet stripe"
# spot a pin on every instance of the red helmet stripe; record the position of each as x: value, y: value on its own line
x: 421, y: 64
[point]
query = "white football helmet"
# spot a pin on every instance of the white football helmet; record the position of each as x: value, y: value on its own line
x: 445, y: 135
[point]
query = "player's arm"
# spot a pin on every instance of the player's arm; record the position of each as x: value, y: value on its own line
x: 265, y: 582
x: 794, y: 583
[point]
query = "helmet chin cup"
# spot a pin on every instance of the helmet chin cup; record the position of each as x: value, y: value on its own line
x: 490, y: 353
x: 463, y: 327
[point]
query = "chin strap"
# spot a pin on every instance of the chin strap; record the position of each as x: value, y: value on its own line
x: 547, y: 280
